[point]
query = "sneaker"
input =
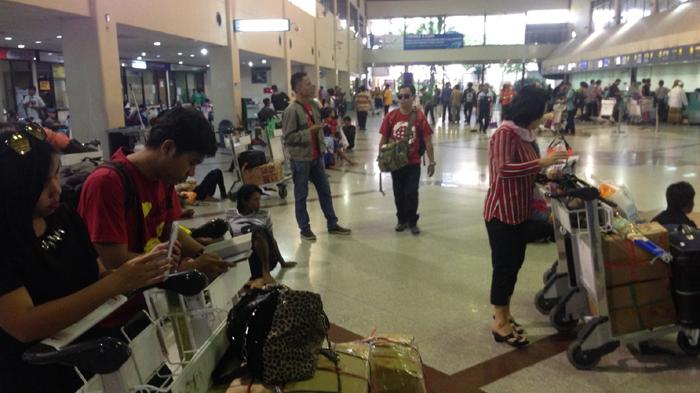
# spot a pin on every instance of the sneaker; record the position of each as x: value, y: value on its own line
x: 415, y: 230
x: 338, y: 230
x: 307, y: 234
x: 400, y: 227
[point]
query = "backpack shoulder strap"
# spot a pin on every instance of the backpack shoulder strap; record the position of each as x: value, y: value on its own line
x: 409, y: 132
x: 131, y: 198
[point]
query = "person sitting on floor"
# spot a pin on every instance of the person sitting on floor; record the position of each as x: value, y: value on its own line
x: 680, y: 201
x: 205, y: 190
x: 248, y: 217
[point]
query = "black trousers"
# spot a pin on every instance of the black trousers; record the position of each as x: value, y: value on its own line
x: 362, y: 119
x: 446, y: 110
x: 508, y: 244
x: 571, y: 121
x: 254, y: 261
x: 663, y: 111
x: 484, y: 120
x: 430, y: 112
x: 208, y: 185
x: 405, y: 182
x: 386, y: 109
x: 468, y: 109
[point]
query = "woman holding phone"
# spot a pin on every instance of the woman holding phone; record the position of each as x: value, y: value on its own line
x: 50, y: 276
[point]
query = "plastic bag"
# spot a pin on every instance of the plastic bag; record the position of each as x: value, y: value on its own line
x: 621, y: 196
x: 396, y: 367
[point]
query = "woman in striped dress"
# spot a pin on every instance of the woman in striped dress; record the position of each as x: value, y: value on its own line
x: 514, y: 162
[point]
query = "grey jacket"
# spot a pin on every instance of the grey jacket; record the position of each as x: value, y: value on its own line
x: 297, y: 136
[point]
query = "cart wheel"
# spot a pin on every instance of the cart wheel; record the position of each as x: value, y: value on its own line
x: 582, y: 360
x: 282, y: 190
x: 561, y: 321
x: 550, y: 273
x: 684, y: 343
x: 544, y: 305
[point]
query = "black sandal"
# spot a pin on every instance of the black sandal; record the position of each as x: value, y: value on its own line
x: 517, y: 328
x: 514, y: 340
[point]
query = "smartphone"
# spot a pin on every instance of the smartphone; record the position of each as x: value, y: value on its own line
x: 174, y: 230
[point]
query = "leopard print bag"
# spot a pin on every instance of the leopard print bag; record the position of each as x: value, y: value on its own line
x: 299, y: 328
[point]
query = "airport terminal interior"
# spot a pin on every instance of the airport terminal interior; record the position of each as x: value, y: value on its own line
x: 619, y: 83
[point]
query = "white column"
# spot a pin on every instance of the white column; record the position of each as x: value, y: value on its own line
x: 93, y: 82
x: 281, y: 73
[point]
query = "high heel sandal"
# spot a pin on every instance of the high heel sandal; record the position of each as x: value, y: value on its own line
x: 514, y: 340
x: 517, y: 328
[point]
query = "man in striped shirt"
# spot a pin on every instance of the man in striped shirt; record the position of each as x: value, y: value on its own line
x: 513, y: 166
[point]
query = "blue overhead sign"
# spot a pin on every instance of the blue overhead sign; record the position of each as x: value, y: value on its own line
x: 433, y: 41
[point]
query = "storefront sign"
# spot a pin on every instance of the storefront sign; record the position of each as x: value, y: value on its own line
x: 44, y: 85
x: 433, y: 41
x: 158, y: 66
x: 51, y: 57
x: 13, y: 54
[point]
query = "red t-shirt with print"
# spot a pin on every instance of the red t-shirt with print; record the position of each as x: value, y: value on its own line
x: 394, y: 127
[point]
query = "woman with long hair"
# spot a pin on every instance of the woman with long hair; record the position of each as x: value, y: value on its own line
x: 50, y: 276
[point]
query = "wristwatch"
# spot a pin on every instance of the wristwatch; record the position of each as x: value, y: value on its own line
x: 432, y: 164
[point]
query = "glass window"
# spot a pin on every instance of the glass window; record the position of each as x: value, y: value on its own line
x: 149, y: 88
x: 634, y: 10
x: 354, y: 22
x: 545, y: 17
x: 135, y: 89
x: 471, y: 26
x: 379, y: 27
x: 59, y: 82
x: 508, y: 29
x: 433, y: 25
x: 603, y: 14
x: 343, y: 12
x: 328, y: 5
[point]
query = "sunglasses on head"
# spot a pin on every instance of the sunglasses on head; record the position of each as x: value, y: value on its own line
x: 18, y: 141
x: 403, y: 96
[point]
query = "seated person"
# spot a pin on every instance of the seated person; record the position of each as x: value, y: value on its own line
x: 50, y: 274
x: 248, y: 217
x: 266, y: 113
x: 205, y: 190
x: 680, y: 200
x: 349, y: 130
x: 128, y: 215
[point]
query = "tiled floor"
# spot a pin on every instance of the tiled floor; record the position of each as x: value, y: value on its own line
x: 435, y: 286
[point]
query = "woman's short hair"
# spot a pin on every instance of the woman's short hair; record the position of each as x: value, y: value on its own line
x: 527, y: 106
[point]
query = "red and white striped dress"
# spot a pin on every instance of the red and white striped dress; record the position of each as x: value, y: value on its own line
x: 513, y: 166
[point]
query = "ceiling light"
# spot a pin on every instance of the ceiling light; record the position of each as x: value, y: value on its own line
x: 192, y: 55
x: 208, y: 65
x: 157, y: 56
x: 35, y: 59
x: 8, y: 38
x: 50, y: 53
x: 250, y: 64
x: 179, y: 62
x: 123, y: 65
x: 143, y: 53
x: 264, y: 61
x: 204, y: 51
x: 157, y: 43
x: 59, y: 36
x: 139, y: 58
x: 20, y: 46
x: 573, y: 34
x: 242, y: 25
x: 179, y: 53
x: 37, y: 42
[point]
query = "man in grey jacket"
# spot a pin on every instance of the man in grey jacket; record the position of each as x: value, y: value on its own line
x: 303, y: 140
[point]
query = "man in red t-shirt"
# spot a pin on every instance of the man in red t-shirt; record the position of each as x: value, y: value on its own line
x: 406, y: 179
x: 176, y: 144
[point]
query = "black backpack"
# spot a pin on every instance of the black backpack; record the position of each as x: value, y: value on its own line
x: 579, y: 100
x: 74, y: 176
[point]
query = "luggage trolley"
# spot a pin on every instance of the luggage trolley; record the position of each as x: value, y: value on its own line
x: 562, y: 298
x: 275, y: 153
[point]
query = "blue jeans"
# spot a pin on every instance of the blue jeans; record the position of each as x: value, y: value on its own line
x: 313, y: 171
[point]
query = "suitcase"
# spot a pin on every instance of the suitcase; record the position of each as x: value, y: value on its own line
x: 250, y: 159
x: 685, y: 273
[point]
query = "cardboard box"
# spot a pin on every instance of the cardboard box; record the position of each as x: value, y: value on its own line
x: 641, y: 306
x: 626, y: 263
x: 264, y: 174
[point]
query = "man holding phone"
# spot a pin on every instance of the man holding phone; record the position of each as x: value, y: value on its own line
x: 303, y: 138
x: 121, y: 228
